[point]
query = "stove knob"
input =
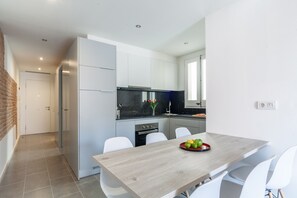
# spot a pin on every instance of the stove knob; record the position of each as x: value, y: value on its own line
x: 143, y: 127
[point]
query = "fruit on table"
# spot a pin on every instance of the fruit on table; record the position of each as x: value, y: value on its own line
x: 188, y: 145
x: 193, y: 143
x: 190, y: 141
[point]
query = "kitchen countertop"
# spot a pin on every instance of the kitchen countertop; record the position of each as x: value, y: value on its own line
x: 162, y: 116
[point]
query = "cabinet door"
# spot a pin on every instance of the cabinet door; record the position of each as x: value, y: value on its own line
x: 92, y: 78
x: 157, y: 74
x: 194, y: 125
x: 139, y: 71
x: 122, y: 69
x: 126, y: 129
x: 97, y: 123
x: 164, y: 127
x: 97, y: 54
x: 170, y: 76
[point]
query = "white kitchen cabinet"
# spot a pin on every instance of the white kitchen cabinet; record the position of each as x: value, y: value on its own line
x: 164, y: 126
x: 96, y: 54
x: 94, y: 78
x: 126, y: 128
x: 91, y: 79
x: 97, y: 112
x: 122, y: 69
x: 170, y: 76
x: 139, y: 71
x: 193, y: 124
x: 163, y: 75
x: 157, y: 74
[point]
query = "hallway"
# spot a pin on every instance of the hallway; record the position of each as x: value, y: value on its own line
x: 37, y: 169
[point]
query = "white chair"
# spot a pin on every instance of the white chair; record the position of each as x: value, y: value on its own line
x: 279, y: 178
x: 210, y: 189
x: 254, y: 185
x: 110, y: 187
x: 182, y: 132
x: 155, y: 137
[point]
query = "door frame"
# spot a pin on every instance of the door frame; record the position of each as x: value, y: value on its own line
x: 24, y: 76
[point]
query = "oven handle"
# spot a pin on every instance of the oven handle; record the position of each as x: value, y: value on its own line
x: 147, y: 132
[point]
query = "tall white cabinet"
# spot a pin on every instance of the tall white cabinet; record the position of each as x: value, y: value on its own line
x: 96, y: 93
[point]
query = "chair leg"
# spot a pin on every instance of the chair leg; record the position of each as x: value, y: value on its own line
x: 281, y: 193
x: 187, y: 193
x: 270, y: 194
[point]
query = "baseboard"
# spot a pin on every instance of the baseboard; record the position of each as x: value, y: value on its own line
x: 8, y: 160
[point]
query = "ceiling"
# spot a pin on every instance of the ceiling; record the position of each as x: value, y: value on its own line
x: 166, y: 26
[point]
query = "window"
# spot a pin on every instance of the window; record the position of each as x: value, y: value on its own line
x: 195, y: 73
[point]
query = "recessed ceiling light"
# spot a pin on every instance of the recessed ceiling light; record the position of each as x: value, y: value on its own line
x: 41, y: 58
x: 39, y: 68
x: 186, y: 43
x: 138, y: 26
x: 44, y: 40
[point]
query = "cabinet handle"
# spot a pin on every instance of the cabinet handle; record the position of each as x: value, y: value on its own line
x: 107, y: 91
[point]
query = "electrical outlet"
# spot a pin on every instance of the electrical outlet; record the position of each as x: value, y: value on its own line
x: 266, y: 105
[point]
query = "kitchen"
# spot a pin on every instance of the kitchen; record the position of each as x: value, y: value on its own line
x: 115, y: 89
x: 250, y: 81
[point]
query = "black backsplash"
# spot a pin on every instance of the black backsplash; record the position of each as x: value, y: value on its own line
x: 134, y: 103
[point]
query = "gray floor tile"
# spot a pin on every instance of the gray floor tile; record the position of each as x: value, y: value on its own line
x: 63, y: 187
x: 12, y: 177
x: 75, y: 195
x: 36, y: 166
x: 12, y: 191
x: 58, y: 173
x: 91, y: 189
x: 42, y: 193
x: 36, y: 181
x: 55, y: 160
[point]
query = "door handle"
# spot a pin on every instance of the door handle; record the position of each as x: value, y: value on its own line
x: 48, y: 108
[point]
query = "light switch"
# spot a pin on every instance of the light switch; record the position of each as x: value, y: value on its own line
x: 266, y: 105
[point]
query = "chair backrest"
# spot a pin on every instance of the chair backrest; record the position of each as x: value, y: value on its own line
x: 182, y: 132
x: 116, y: 143
x: 255, y: 183
x: 210, y: 189
x: 108, y: 184
x: 282, y: 173
x: 155, y: 137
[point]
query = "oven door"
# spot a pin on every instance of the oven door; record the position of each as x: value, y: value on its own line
x: 140, y: 136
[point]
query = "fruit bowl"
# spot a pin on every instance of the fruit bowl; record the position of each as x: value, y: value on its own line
x: 202, y: 148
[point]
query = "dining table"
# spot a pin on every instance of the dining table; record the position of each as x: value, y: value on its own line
x: 163, y: 169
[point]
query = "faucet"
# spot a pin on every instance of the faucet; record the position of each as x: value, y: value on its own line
x: 169, y: 108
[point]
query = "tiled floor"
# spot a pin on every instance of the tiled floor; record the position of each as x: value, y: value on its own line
x: 38, y: 170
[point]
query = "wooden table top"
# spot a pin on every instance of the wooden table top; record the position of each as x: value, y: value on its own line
x: 164, y: 170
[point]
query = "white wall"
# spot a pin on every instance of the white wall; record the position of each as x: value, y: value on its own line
x: 8, y: 143
x: 251, y: 51
x: 181, y: 66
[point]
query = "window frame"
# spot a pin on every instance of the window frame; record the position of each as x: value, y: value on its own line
x: 199, y: 103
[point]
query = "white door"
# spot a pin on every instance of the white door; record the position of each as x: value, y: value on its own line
x: 38, y: 112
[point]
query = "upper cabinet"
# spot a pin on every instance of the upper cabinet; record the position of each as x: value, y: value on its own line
x: 122, y: 69
x: 97, y: 54
x: 139, y: 71
x: 163, y: 75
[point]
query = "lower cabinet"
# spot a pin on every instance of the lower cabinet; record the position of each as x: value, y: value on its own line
x: 126, y: 128
x: 193, y: 124
x: 164, y: 127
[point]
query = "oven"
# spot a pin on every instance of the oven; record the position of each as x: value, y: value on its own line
x: 141, y: 130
